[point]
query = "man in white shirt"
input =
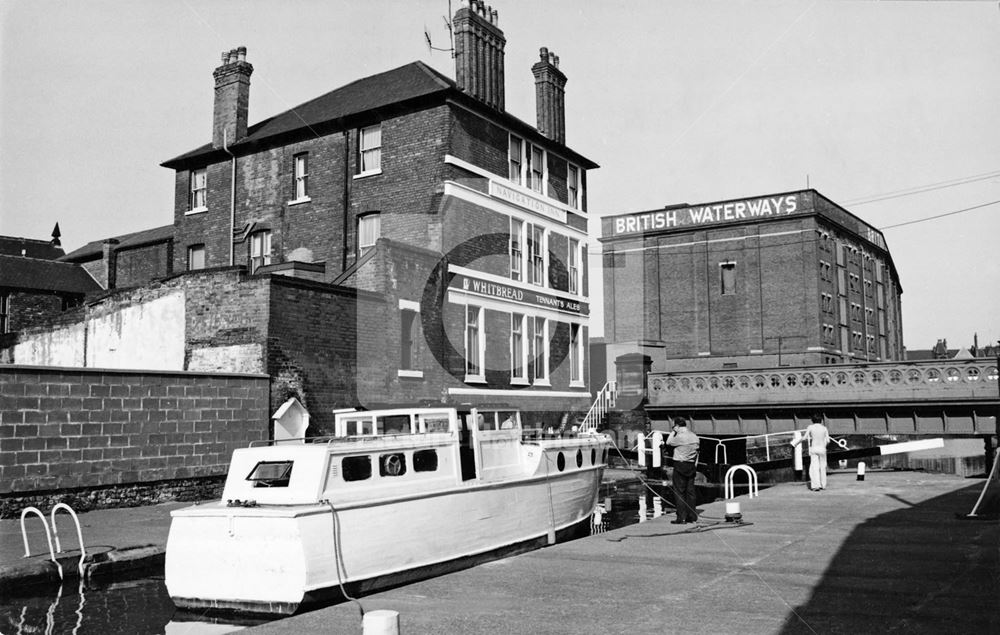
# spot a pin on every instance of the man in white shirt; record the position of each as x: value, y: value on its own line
x: 818, y: 437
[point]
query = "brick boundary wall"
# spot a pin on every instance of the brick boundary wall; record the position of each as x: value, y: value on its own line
x: 116, y: 438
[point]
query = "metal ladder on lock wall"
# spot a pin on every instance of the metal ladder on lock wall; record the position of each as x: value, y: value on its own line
x: 54, y: 533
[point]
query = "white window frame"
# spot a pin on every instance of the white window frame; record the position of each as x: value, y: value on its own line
x: 369, y: 231
x: 260, y: 249
x: 518, y: 348
x: 412, y: 308
x: 573, y: 266
x: 300, y: 170
x: 191, y: 251
x: 369, y: 156
x: 537, y: 254
x: 540, y: 350
x: 516, y: 249
x: 198, y: 191
x: 537, y: 179
x: 515, y: 164
x: 475, y: 343
x: 574, y: 186
x: 576, y: 349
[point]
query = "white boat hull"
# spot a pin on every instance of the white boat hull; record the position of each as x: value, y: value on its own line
x: 275, y: 559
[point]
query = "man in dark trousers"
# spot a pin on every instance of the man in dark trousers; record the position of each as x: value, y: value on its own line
x: 685, y: 444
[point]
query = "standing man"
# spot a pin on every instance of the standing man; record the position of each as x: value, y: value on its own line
x: 685, y: 444
x: 818, y: 437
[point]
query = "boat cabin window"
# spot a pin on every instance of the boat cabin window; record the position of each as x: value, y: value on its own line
x: 392, y: 464
x: 356, y: 468
x: 271, y: 474
x: 425, y: 461
x: 361, y: 426
x: 393, y: 424
x: 500, y: 420
x: 434, y: 423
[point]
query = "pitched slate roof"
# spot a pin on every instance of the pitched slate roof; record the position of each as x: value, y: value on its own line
x: 36, y: 274
x: 30, y: 247
x: 412, y: 81
x: 95, y: 248
x: 392, y: 89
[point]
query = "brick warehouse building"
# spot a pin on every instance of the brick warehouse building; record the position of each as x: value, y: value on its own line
x: 452, y: 230
x: 785, y: 279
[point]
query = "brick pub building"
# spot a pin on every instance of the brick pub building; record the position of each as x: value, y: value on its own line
x: 400, y: 240
x: 786, y: 279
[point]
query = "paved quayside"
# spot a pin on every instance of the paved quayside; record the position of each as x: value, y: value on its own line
x: 887, y: 554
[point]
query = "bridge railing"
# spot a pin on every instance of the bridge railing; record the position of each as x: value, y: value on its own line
x: 884, y: 382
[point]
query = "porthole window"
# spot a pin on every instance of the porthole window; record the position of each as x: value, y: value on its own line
x: 356, y: 468
x: 579, y: 458
x: 425, y: 461
x: 593, y: 456
x: 561, y: 462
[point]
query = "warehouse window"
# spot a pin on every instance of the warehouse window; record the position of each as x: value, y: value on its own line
x: 728, y: 282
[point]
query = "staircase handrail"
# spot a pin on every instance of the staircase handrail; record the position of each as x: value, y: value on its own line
x: 605, y: 399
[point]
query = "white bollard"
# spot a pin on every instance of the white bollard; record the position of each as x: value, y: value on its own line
x: 383, y: 622
x: 657, y: 441
x: 607, y: 503
x: 797, y: 454
x: 861, y: 470
x: 733, y: 514
x: 640, y: 448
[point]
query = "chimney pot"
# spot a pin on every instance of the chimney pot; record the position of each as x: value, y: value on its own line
x: 550, y: 96
x: 543, y: 53
x: 479, y: 44
x: 232, y: 98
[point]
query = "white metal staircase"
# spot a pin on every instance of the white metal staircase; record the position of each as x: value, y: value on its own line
x: 605, y: 401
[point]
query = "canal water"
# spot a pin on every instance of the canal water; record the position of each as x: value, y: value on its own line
x: 141, y: 606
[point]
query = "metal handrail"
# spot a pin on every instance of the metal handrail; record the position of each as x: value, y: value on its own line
x: 48, y: 536
x: 604, y: 401
x: 79, y: 533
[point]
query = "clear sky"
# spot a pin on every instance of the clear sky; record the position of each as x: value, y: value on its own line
x: 679, y: 102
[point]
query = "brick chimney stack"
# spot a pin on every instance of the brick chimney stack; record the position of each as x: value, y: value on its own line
x: 479, y: 46
x: 550, y: 96
x: 232, y: 97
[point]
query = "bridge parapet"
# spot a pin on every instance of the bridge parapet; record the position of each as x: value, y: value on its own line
x: 931, y: 381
